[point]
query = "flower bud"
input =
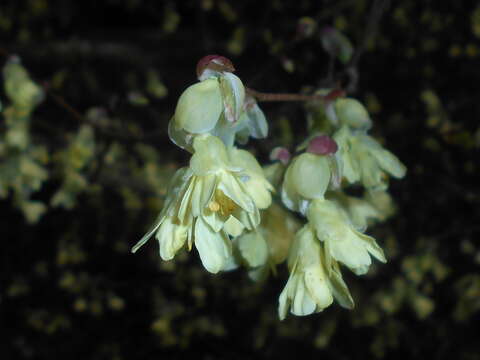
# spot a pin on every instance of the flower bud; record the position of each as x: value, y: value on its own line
x: 322, y: 145
x: 213, y: 64
x: 280, y: 153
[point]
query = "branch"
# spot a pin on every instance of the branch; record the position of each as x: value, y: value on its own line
x: 376, y: 12
x: 260, y: 96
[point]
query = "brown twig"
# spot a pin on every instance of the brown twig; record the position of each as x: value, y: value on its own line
x: 377, y: 10
x: 260, y: 96
x: 58, y: 99
x: 62, y: 103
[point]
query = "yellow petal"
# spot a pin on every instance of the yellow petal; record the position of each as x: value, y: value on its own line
x: 345, y: 142
x: 199, y: 107
x: 210, y: 155
x: 303, y: 303
x: 253, y: 248
x: 339, y: 289
x: 214, y: 219
x: 232, y: 188
x: 290, y: 196
x: 244, y: 160
x: 259, y: 190
x: 342, y: 241
x: 213, y: 247
x: 353, y: 113
x: 184, y: 208
x: 317, y: 285
x: 310, y: 175
x: 233, y: 227
x: 177, y: 185
x: 171, y: 238
x: 386, y: 160
x: 196, y: 204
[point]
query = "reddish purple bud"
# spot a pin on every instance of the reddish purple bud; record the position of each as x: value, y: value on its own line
x: 215, y: 63
x: 280, y: 153
x: 322, y: 145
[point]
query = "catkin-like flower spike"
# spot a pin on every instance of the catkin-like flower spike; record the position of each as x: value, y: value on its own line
x: 208, y: 202
x: 315, y: 280
x: 342, y: 241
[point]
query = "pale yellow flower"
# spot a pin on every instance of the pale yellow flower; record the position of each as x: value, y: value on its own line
x: 208, y: 201
x: 364, y: 159
x: 315, y: 279
x: 342, y: 241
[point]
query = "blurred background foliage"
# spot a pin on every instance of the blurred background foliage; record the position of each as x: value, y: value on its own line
x: 87, y: 92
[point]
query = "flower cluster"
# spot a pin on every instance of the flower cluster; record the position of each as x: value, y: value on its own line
x: 222, y: 202
x: 219, y: 195
x: 334, y: 234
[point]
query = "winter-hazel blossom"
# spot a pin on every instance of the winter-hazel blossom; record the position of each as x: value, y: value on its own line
x: 222, y: 203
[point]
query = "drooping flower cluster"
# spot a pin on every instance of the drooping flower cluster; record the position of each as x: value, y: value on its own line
x: 221, y: 204
x: 220, y: 194
x: 334, y: 233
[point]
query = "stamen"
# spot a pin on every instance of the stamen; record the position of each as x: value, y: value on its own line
x: 214, y: 206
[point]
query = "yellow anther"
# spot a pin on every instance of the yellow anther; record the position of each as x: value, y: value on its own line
x: 214, y: 206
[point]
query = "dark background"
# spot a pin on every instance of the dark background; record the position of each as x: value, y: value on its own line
x: 69, y: 287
